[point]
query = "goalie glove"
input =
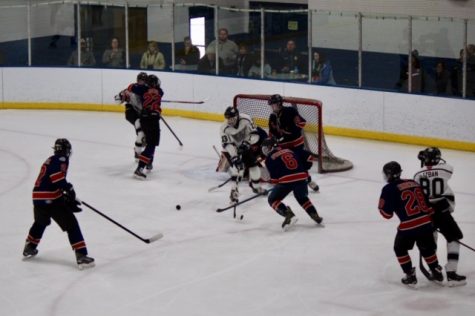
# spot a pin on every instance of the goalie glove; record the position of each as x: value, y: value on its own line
x: 244, y: 147
x: 237, y: 162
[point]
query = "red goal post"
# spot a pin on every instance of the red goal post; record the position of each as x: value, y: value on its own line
x: 256, y: 106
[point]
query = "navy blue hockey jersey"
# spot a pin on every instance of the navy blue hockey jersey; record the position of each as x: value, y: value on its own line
x: 286, y: 166
x: 51, y: 181
x: 407, y: 200
x: 287, y: 127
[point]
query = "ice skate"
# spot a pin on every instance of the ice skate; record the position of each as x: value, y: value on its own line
x: 436, y: 275
x: 139, y: 174
x: 316, y: 218
x: 234, y: 195
x: 149, y: 166
x: 454, y: 279
x: 84, y: 261
x: 289, y: 220
x: 29, y: 251
x: 410, y: 279
x: 257, y: 189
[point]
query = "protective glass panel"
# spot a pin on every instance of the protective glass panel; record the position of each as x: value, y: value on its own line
x: 334, y: 49
x: 436, y: 45
x: 13, y: 35
x: 158, y: 53
x: 286, y: 42
x: 52, y: 34
x: 137, y: 35
x: 470, y: 87
x: 385, y: 51
x: 202, y: 25
x: 189, y: 40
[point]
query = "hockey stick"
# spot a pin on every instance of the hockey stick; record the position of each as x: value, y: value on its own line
x: 219, y: 186
x: 423, y: 269
x: 179, y: 141
x: 461, y: 243
x: 185, y: 102
x: 219, y: 210
x: 145, y: 240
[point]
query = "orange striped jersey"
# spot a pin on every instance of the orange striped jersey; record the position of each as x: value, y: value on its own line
x: 51, y: 181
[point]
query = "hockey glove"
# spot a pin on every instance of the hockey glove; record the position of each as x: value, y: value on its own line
x: 243, y: 148
x: 237, y: 162
x: 69, y: 193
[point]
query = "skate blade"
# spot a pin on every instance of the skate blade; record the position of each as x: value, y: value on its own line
x: 139, y: 177
x: 293, y: 220
x: 29, y: 257
x: 83, y: 266
x: 456, y: 283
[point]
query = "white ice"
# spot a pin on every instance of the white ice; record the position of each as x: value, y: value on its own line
x: 209, y: 263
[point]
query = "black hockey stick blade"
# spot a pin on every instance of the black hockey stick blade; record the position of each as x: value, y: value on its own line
x: 145, y: 240
x: 219, y: 186
x: 219, y: 210
x: 423, y: 269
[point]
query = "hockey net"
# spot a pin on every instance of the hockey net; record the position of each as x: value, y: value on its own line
x: 255, y: 105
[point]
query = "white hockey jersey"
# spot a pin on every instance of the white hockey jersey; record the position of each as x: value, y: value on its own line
x: 232, y: 137
x: 434, y: 181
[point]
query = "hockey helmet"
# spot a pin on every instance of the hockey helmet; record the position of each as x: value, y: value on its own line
x: 142, y: 76
x: 430, y: 156
x: 392, y: 171
x: 268, y: 145
x: 276, y: 101
x: 231, y: 114
x: 153, y: 81
x: 62, y: 147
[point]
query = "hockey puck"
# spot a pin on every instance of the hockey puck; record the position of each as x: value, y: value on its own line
x: 178, y: 207
x: 241, y: 218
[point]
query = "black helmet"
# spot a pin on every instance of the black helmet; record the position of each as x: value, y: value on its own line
x: 153, y: 81
x: 142, y: 76
x: 275, y: 98
x: 268, y: 145
x: 392, y: 171
x: 430, y: 156
x: 62, y: 147
x: 231, y: 115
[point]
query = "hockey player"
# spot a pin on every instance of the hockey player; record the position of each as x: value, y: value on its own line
x: 241, y: 140
x: 54, y: 198
x: 288, y: 171
x: 286, y: 125
x: 132, y: 96
x: 150, y: 122
x: 406, y: 199
x: 433, y: 177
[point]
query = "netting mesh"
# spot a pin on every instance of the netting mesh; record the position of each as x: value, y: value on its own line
x: 256, y: 106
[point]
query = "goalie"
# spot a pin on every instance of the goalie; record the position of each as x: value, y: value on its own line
x: 241, y: 146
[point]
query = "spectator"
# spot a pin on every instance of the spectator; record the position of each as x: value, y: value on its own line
x: 227, y: 50
x: 416, y: 75
x: 189, y: 55
x: 471, y: 70
x: 152, y: 58
x: 255, y: 70
x: 207, y: 63
x: 290, y: 59
x: 456, y: 76
x: 87, y: 57
x: 114, y: 56
x: 322, y: 70
x: 441, y: 78
x: 244, y: 61
x: 1, y: 58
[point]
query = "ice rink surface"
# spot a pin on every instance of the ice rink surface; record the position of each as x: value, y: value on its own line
x: 209, y: 263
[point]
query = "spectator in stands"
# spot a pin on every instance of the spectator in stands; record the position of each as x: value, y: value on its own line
x: 227, y: 51
x: 416, y: 75
x: 207, y: 63
x: 1, y: 58
x: 456, y: 75
x: 441, y: 79
x: 114, y: 56
x: 291, y: 60
x: 87, y: 57
x: 255, y: 70
x: 322, y: 70
x: 152, y: 58
x: 189, y: 55
x: 244, y: 61
x: 471, y: 70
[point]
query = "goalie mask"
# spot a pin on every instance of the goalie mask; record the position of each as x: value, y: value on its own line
x: 62, y: 147
x: 392, y: 171
x: 232, y: 116
x: 430, y: 156
x: 276, y: 102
